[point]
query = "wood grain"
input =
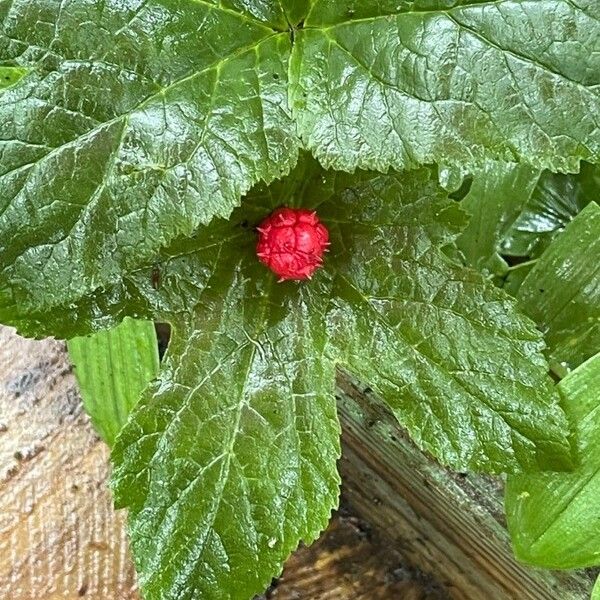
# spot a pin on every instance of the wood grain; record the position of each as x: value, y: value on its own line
x: 59, y: 535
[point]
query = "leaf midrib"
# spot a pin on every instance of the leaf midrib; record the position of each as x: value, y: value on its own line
x: 228, y: 453
x: 451, y: 15
x: 581, y: 486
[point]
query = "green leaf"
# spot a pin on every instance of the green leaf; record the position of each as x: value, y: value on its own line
x: 10, y: 75
x: 229, y: 458
x: 596, y: 590
x: 516, y: 211
x: 562, y: 291
x: 392, y: 83
x: 137, y: 122
x: 459, y: 367
x: 494, y: 201
x: 553, y: 518
x: 112, y: 368
x: 515, y: 276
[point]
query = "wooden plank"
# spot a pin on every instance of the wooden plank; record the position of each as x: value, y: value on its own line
x: 59, y: 535
x: 448, y: 524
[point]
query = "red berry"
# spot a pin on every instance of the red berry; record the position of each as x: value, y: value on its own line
x: 292, y: 242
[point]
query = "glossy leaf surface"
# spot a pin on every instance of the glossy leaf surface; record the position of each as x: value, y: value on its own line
x: 494, y: 201
x: 128, y: 124
x: 553, y: 517
x: 229, y: 459
x: 429, y: 335
x: 562, y: 291
x: 378, y: 83
x: 138, y: 122
x: 516, y: 211
x: 556, y: 200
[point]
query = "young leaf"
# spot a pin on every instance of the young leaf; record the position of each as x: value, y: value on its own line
x: 553, y: 517
x: 112, y: 368
x: 517, y: 211
x: 562, y: 291
x: 382, y: 83
x: 596, y: 590
x: 556, y: 200
x: 495, y: 199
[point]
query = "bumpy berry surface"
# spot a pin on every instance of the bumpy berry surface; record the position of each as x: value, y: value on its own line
x: 292, y: 242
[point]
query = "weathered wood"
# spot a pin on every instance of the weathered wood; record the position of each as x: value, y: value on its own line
x: 448, y: 524
x: 60, y: 537
x: 351, y: 562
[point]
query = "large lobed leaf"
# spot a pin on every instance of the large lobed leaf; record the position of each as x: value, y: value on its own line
x: 456, y: 364
x: 127, y: 124
x: 229, y: 459
x: 137, y: 122
x: 401, y: 83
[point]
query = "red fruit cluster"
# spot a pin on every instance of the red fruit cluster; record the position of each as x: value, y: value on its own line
x: 292, y: 242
